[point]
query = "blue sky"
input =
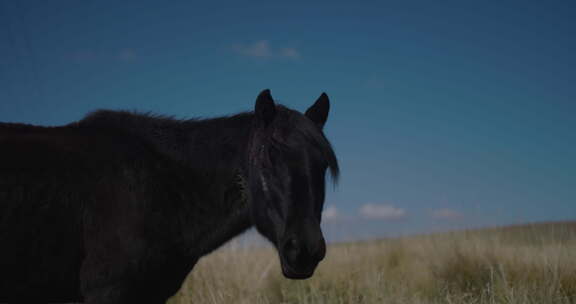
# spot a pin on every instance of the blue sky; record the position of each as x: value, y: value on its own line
x: 444, y: 114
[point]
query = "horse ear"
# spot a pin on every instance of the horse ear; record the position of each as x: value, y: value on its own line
x: 265, y: 109
x: 318, y: 112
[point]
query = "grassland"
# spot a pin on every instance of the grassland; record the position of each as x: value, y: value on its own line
x: 523, y: 264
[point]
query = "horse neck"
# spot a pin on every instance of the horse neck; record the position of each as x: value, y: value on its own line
x: 218, y: 148
x: 214, y: 151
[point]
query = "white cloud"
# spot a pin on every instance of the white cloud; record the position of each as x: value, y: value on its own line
x: 257, y: 49
x: 127, y: 55
x: 330, y: 213
x: 446, y: 214
x: 289, y: 53
x: 381, y: 211
x: 263, y: 49
x: 84, y: 55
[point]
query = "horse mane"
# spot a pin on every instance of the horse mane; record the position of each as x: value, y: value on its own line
x: 169, y: 134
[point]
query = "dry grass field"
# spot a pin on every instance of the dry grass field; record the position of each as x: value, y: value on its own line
x: 519, y: 264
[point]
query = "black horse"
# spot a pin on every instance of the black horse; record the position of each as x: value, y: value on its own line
x: 119, y: 206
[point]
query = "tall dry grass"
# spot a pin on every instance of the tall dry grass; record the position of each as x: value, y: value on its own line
x: 524, y: 264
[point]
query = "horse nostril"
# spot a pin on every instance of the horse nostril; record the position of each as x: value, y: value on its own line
x: 292, y: 248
